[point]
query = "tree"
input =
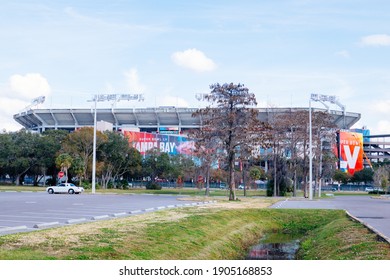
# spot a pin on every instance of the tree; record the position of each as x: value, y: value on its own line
x: 23, y: 154
x: 208, y: 152
x: 7, y: 146
x: 290, y: 146
x: 381, y: 177
x: 117, y: 158
x: 232, y: 122
x: 182, y: 168
x: 47, y: 150
x: 78, y: 168
x: 365, y: 175
x: 256, y: 173
x: 80, y: 144
x: 341, y: 176
x: 64, y: 162
x: 156, y: 165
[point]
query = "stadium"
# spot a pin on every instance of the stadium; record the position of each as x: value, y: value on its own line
x: 160, y: 119
x: 177, y: 121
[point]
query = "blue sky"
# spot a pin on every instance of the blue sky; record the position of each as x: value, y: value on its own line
x: 171, y: 50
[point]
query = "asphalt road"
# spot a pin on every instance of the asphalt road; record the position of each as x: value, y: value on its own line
x: 373, y: 212
x: 23, y: 211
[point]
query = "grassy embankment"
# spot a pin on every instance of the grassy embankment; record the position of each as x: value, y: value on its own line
x: 223, y: 230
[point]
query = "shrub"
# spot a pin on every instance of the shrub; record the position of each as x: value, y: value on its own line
x: 153, y: 186
x: 86, y: 185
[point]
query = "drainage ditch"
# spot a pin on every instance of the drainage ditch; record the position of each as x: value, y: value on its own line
x: 274, y: 247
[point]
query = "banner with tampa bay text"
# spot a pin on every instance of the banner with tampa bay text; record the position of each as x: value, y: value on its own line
x: 171, y: 144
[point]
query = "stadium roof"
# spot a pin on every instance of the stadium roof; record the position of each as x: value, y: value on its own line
x: 145, y: 118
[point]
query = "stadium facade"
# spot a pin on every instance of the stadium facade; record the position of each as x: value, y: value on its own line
x: 174, y: 120
x: 159, y: 119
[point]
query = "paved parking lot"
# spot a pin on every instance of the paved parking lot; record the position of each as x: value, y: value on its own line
x: 24, y: 211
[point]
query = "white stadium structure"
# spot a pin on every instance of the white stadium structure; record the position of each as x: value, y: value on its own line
x: 145, y: 119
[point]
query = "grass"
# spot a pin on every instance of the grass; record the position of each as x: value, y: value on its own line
x: 171, y: 191
x: 345, y: 240
x: 183, y: 191
x: 22, y: 188
x: 224, y: 230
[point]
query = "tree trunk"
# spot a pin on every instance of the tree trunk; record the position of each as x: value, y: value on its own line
x: 232, y: 187
x: 208, y: 180
x: 295, y: 181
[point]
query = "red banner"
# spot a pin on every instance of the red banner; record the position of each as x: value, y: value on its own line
x: 351, y: 151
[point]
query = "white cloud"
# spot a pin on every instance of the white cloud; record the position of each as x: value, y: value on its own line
x: 17, y: 94
x: 29, y: 86
x: 133, y: 81
x: 8, y: 108
x: 383, y: 127
x: 194, y: 59
x: 376, y: 40
x: 382, y: 106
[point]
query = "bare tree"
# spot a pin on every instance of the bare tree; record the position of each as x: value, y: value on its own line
x: 290, y: 145
x: 232, y: 122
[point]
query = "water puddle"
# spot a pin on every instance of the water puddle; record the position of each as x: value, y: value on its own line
x: 274, y: 247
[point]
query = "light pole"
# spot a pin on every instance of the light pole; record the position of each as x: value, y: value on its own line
x: 310, y: 154
x: 318, y: 98
x: 101, y: 98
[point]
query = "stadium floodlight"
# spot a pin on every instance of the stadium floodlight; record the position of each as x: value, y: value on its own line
x: 101, y: 98
x: 35, y: 102
x: 39, y: 100
x: 202, y: 96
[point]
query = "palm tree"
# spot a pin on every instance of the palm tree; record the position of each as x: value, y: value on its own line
x: 64, y: 161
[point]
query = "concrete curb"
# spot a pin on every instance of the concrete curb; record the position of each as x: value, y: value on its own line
x: 75, y: 221
x: 101, y: 217
x: 380, y: 234
x: 119, y: 214
x: 12, y: 228
x: 46, y: 225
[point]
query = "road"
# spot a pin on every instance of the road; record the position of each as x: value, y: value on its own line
x: 374, y: 212
x: 23, y: 211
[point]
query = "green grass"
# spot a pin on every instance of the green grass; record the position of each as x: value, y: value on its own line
x: 345, y: 240
x: 213, y: 233
x: 181, y: 191
x: 172, y: 191
x: 22, y: 188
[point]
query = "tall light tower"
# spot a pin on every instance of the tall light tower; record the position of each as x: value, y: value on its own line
x: 318, y: 98
x: 102, y: 98
x: 35, y: 102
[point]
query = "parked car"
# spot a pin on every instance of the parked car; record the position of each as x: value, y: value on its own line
x: 369, y: 189
x: 65, y: 188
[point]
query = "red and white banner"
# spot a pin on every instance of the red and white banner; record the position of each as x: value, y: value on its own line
x: 351, y: 151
